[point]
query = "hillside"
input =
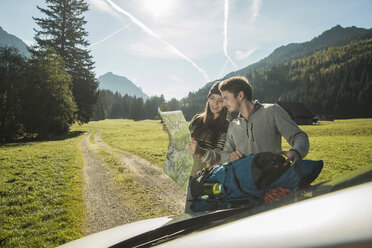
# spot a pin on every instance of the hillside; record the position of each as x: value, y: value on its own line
x: 9, y: 40
x: 116, y: 83
x: 332, y: 37
x: 334, y: 81
x: 332, y: 74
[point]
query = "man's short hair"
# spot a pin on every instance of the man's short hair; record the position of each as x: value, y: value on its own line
x: 237, y: 84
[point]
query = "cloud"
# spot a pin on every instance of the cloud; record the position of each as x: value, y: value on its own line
x: 29, y: 43
x: 195, y: 28
x: 177, y: 79
x: 225, y: 42
x: 223, y: 68
x: 243, y: 54
x: 151, y: 33
x: 112, y: 34
x: 102, y: 6
x: 174, y: 91
x: 255, y: 9
x: 169, y: 90
x: 196, y: 38
x: 150, y: 48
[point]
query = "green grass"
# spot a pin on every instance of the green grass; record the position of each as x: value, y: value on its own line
x: 343, y: 145
x: 41, y: 193
x: 136, y: 197
x: 143, y: 138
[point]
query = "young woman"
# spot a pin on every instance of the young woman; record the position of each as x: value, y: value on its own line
x: 208, y: 132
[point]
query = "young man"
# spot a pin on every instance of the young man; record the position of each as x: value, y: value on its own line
x: 259, y: 127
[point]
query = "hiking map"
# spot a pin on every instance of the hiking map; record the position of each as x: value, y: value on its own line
x: 179, y: 161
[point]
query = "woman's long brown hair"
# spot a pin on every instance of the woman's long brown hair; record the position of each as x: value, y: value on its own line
x: 210, y: 124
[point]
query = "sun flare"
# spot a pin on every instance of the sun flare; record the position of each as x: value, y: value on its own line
x: 158, y: 8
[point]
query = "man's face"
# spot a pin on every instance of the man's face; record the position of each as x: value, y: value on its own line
x: 230, y: 102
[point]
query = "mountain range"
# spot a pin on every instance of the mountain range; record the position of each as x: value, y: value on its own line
x: 335, y: 36
x: 108, y: 81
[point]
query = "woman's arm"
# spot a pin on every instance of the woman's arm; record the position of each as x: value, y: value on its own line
x: 212, y: 156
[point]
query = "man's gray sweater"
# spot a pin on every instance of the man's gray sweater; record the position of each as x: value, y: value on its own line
x: 263, y: 132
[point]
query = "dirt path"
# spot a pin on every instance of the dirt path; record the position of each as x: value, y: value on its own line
x: 105, y: 207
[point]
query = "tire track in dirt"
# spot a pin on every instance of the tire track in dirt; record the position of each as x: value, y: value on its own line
x: 166, y: 192
x: 105, y: 206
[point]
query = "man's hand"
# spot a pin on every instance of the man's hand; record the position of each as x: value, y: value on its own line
x: 292, y: 157
x: 192, y: 146
x: 235, y: 156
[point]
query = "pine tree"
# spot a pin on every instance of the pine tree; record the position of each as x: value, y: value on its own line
x: 116, y: 110
x: 174, y: 104
x: 49, y: 108
x: 137, y: 109
x: 63, y: 30
x: 13, y: 67
x: 100, y: 111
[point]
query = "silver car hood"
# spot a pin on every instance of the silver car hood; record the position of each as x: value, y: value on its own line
x: 335, y: 212
x: 114, y: 235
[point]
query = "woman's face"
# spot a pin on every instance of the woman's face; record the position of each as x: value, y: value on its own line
x: 215, y: 103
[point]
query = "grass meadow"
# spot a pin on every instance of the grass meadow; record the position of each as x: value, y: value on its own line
x: 143, y: 138
x: 41, y: 181
x: 41, y: 192
x: 343, y: 145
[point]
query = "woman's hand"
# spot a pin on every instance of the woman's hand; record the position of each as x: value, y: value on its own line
x: 165, y: 129
x: 192, y: 146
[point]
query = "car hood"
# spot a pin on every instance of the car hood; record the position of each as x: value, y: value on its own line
x: 177, y: 228
x: 114, y: 235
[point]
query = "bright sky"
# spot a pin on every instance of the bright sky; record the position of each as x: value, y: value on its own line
x: 172, y: 47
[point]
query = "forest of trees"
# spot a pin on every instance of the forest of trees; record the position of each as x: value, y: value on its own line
x: 115, y: 106
x: 336, y: 81
x: 42, y: 96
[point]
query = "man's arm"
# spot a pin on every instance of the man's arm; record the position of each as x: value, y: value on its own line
x: 295, y: 137
x: 229, y: 145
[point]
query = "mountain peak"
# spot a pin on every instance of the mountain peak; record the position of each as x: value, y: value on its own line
x: 335, y: 34
x: 9, y: 40
x: 121, y: 84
